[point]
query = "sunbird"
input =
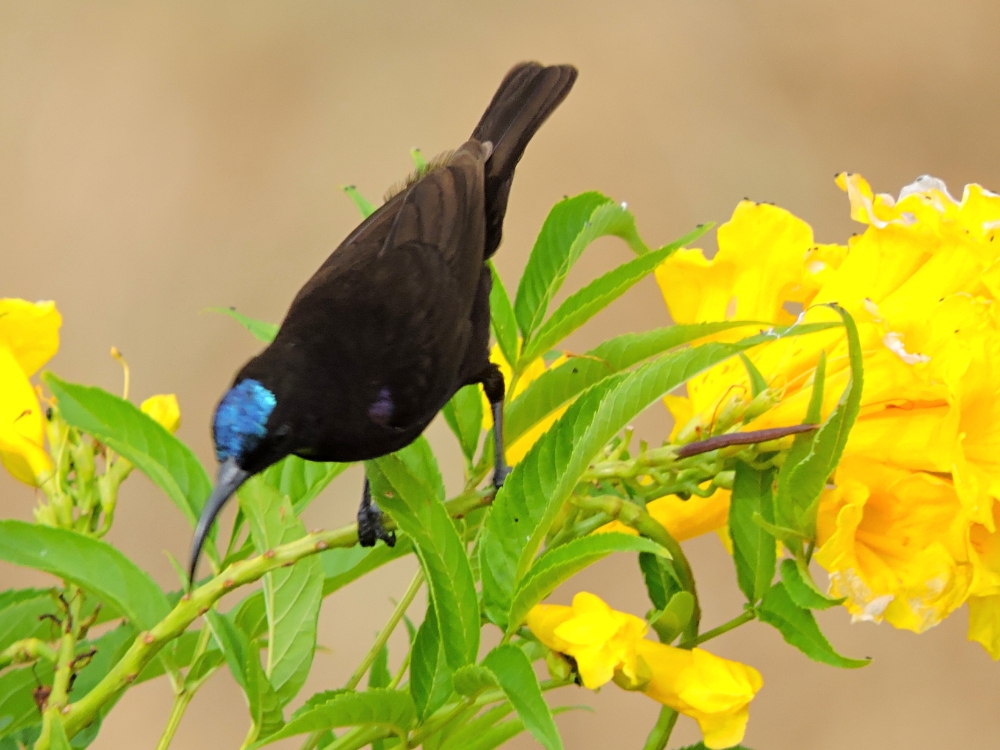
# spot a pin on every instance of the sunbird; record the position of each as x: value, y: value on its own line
x: 394, y: 322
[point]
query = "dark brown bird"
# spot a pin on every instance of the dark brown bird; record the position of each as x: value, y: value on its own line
x: 394, y: 322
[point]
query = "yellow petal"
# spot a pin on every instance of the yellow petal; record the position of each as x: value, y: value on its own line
x: 165, y: 410
x: 22, y: 430
x: 543, y: 619
x: 715, y: 692
x: 31, y: 331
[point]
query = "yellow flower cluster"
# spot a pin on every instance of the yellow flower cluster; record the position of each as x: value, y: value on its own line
x: 29, y: 337
x: 606, y: 645
x: 909, y: 532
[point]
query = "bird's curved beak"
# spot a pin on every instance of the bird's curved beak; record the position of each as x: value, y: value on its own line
x: 229, y: 479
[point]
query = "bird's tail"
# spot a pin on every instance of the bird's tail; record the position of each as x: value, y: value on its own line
x: 526, y: 97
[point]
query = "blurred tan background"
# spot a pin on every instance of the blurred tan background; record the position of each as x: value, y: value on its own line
x: 160, y: 158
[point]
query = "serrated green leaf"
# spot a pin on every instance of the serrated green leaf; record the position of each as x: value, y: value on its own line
x: 430, y: 675
x: 392, y: 709
x: 502, y: 318
x: 757, y: 383
x: 518, y: 682
x: 464, y: 415
x: 243, y: 658
x: 798, y: 627
x: 753, y: 547
x: 301, y: 480
x: 532, y: 495
x: 258, y: 328
x: 94, y: 565
x: 292, y: 595
x: 661, y: 583
x: 473, y: 679
x: 561, y: 563
x: 560, y: 385
x: 364, y: 205
x: 802, y: 589
x: 400, y: 488
x: 121, y: 426
x: 582, y: 305
x: 570, y: 227
x: 800, y: 483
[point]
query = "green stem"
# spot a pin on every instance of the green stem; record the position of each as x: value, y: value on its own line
x: 26, y: 651
x: 383, y: 637
x: 725, y: 627
x: 394, y: 682
x: 660, y: 734
x: 181, y: 701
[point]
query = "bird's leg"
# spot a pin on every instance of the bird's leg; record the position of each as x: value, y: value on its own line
x: 370, y: 528
x: 493, y: 385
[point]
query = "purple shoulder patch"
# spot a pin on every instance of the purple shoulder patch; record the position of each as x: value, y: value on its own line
x: 380, y: 412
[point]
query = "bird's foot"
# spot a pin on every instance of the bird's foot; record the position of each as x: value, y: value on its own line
x: 371, y: 528
x: 500, y: 475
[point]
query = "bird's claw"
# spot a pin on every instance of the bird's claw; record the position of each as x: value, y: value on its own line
x: 371, y: 528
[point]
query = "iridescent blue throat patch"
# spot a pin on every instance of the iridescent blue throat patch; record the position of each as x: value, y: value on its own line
x: 241, y: 419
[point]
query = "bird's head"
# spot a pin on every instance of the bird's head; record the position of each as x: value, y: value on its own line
x: 247, y: 441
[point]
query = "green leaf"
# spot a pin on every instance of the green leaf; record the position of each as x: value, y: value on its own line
x: 582, y: 305
x: 757, y: 383
x: 121, y: 426
x: 671, y: 621
x: 364, y: 205
x: 661, y: 584
x: 502, y: 316
x: 464, y: 415
x: 463, y: 737
x: 20, y: 610
x: 343, y: 565
x: 301, y: 480
x: 430, y: 675
x: 392, y: 709
x: 418, y: 511
x: 94, y: 565
x: 243, y: 658
x: 258, y: 328
x: 536, y: 489
x: 798, y: 627
x: 560, y: 385
x: 473, y: 679
x: 378, y: 676
x: 561, y: 563
x: 518, y: 682
x: 800, y: 483
x: 570, y: 227
x: 802, y: 589
x: 292, y: 595
x: 753, y: 547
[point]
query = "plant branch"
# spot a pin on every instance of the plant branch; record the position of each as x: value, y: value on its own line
x: 725, y: 627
